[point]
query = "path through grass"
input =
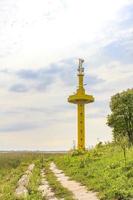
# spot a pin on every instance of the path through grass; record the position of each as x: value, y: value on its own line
x: 103, y: 170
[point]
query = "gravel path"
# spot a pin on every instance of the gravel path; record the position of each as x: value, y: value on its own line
x: 80, y: 192
x: 45, y: 189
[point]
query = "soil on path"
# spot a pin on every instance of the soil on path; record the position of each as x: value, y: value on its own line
x: 45, y: 189
x: 80, y: 192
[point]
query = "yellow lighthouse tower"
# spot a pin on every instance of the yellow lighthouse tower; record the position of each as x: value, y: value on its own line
x: 81, y: 98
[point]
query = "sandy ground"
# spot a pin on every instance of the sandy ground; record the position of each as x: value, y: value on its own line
x: 80, y: 192
x: 45, y: 189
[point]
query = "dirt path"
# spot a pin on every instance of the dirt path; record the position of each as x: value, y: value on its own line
x: 80, y: 192
x: 45, y: 189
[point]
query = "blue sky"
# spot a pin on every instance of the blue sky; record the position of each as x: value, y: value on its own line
x: 40, y: 43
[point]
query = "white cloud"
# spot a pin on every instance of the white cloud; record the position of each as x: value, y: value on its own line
x: 40, y: 32
x: 35, y: 34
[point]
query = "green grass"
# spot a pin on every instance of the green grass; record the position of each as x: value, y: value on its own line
x: 12, y: 166
x: 34, y: 182
x: 103, y: 170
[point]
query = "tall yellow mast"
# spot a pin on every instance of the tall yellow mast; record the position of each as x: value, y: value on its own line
x: 80, y: 98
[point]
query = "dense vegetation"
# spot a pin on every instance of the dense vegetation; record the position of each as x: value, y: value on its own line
x: 121, y: 118
x: 102, y: 169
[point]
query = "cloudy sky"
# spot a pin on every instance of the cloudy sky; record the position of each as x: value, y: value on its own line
x: 40, y: 43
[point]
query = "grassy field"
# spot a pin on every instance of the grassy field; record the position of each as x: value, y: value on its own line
x: 12, y: 166
x: 101, y: 169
